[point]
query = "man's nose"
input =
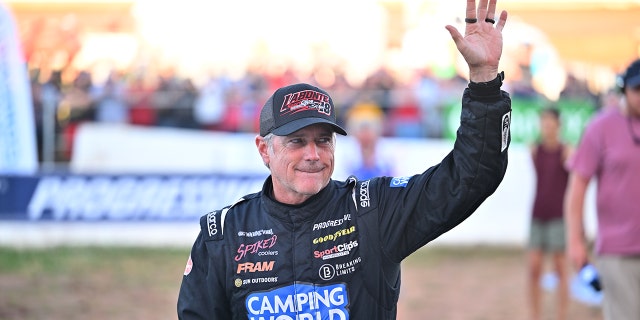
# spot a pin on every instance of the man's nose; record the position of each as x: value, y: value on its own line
x: 311, y: 151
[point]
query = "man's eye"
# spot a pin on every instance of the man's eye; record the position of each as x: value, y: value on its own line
x: 295, y: 141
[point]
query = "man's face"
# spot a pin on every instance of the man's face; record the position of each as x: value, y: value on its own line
x: 633, y: 100
x: 301, y: 163
x: 549, y: 127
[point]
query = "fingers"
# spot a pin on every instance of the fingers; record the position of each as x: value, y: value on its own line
x: 502, y: 21
x: 471, y: 9
x: 455, y: 34
x: 482, y: 9
x: 491, y: 11
x: 486, y: 11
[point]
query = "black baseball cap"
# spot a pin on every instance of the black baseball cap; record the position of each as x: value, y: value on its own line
x: 631, y: 77
x: 296, y: 106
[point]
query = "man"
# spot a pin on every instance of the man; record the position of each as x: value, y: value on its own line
x: 610, y: 152
x: 365, y: 123
x: 308, y: 247
x: 547, y: 229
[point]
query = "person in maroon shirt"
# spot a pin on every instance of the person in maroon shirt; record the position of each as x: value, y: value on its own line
x: 547, y: 231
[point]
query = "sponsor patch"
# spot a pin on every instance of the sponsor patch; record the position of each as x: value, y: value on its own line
x: 326, y: 272
x: 306, y: 100
x: 251, y: 267
x: 365, y: 200
x: 212, y: 223
x: 329, y: 271
x: 300, y: 301
x: 258, y: 246
x: 256, y: 233
x: 346, y: 268
x: 268, y: 253
x: 240, y: 282
x: 506, y: 123
x: 332, y: 223
x: 215, y: 223
x: 334, y: 236
x: 337, y: 251
x: 399, y: 182
x: 187, y: 269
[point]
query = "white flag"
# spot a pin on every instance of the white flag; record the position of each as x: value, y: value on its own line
x: 18, y: 153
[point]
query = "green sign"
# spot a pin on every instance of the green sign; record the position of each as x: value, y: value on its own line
x: 525, y: 124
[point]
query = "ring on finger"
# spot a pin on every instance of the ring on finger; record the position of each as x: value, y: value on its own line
x: 489, y: 20
x: 470, y: 20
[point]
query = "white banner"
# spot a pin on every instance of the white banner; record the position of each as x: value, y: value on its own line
x: 18, y: 153
x: 117, y: 149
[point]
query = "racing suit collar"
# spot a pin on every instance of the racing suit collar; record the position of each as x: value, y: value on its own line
x: 305, y: 211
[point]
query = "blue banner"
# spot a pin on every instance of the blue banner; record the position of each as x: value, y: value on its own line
x: 119, y: 197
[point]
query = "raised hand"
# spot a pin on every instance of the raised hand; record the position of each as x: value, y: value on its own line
x: 481, y: 45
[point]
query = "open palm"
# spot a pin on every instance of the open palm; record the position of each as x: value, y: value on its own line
x: 481, y: 45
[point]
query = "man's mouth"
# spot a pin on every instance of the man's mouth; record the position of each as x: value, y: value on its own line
x: 311, y: 170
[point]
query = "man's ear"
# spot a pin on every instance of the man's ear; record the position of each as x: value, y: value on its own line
x: 263, y: 149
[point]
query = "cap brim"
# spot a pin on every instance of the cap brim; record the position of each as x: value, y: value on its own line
x: 296, y: 125
x: 633, y: 82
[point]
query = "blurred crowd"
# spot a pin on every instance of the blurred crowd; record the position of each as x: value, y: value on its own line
x: 413, y: 107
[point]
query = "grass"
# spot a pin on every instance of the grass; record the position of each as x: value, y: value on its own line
x: 89, y: 282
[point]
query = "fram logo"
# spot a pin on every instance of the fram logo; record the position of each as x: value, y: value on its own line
x: 306, y: 100
x: 300, y: 301
x: 255, y: 267
x: 255, y: 247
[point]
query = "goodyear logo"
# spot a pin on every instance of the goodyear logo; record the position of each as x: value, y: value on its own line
x: 334, y: 236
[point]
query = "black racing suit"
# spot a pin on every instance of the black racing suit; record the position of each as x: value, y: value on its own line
x: 337, y: 256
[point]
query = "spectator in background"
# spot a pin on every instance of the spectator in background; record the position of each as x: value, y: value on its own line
x: 610, y: 152
x: 184, y: 104
x: 405, y: 118
x: 164, y: 100
x: 547, y: 229
x: 50, y: 95
x: 381, y: 84
x: 139, y: 95
x: 210, y: 105
x: 364, y: 122
x: 111, y: 104
x: 76, y: 106
x: 77, y: 103
x: 428, y: 93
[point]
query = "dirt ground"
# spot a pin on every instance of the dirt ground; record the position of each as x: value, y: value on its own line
x: 473, y: 284
x: 438, y: 283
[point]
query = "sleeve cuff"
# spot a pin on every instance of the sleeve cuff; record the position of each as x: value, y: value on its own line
x: 486, y: 89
